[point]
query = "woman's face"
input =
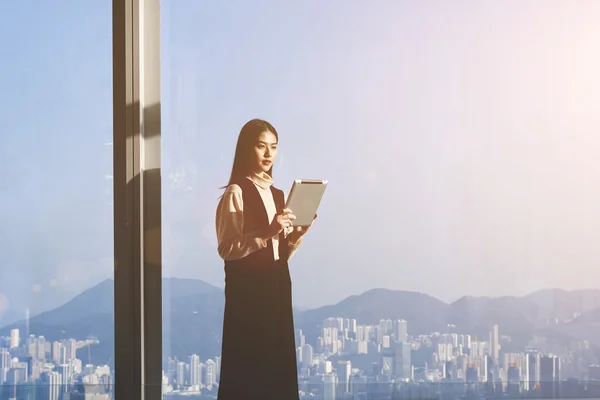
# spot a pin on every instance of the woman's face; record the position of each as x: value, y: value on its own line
x: 265, y: 152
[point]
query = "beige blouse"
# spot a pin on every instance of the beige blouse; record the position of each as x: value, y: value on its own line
x: 233, y: 243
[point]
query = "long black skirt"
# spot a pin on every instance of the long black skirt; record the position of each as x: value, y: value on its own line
x: 258, y: 359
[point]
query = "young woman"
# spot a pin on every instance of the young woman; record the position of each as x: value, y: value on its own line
x: 256, y: 239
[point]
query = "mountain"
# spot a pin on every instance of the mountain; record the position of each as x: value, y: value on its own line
x: 584, y: 327
x: 193, y: 316
x: 192, y: 309
x: 14, y: 301
x: 96, y: 300
x: 589, y: 318
x: 562, y: 304
x: 478, y: 314
x: 424, y: 313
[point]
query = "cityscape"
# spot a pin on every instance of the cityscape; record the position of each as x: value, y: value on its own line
x: 454, y: 256
x: 348, y: 361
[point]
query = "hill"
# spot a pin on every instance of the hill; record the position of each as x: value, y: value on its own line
x: 424, y: 313
x: 193, y: 314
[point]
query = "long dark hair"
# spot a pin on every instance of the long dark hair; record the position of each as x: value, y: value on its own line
x: 242, y: 161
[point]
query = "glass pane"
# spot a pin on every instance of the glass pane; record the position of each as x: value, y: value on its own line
x: 455, y: 250
x: 56, y: 289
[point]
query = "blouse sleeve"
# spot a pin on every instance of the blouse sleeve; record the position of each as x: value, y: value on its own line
x: 233, y: 244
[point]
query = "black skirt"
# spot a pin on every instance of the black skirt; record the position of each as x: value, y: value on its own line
x: 258, y: 359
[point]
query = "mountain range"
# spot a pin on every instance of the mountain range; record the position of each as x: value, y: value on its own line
x: 193, y: 311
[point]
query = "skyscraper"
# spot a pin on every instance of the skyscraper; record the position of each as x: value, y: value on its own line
x: 329, y: 387
x: 307, y: 355
x: 550, y: 376
x: 210, y: 377
x: 180, y: 378
x: 344, y: 369
x: 352, y: 326
x: 494, y: 343
x: 533, y: 359
x: 195, y: 377
x: 401, y: 331
x: 51, y: 383
x: 402, y: 361
x: 14, y: 338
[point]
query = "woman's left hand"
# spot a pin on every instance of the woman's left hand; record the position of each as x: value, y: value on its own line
x: 299, y: 231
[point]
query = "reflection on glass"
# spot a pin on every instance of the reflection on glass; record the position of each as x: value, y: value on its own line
x: 56, y: 290
x: 456, y: 252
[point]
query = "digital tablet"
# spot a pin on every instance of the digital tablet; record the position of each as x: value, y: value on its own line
x: 304, y: 199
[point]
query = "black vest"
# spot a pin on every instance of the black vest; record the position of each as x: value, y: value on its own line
x: 256, y: 218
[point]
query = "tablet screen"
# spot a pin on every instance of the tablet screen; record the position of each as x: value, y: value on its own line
x: 304, y: 199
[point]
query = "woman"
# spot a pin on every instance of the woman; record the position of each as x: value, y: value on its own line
x: 256, y: 239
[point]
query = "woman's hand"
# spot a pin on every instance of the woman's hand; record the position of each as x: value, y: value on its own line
x: 299, y: 231
x: 281, y: 221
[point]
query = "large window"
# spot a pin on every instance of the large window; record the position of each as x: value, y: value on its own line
x: 56, y: 201
x: 454, y: 253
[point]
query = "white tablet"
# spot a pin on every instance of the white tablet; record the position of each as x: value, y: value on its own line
x: 304, y: 199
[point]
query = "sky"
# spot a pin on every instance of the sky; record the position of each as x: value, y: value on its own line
x: 460, y: 140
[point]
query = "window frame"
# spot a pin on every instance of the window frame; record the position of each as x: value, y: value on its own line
x: 137, y: 200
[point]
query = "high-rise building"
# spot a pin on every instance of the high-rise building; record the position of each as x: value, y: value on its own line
x: 401, y: 331
x: 195, y: 377
x: 380, y: 329
x: 454, y: 339
x: 66, y: 377
x: 62, y: 354
x: 325, y: 368
x: 477, y: 349
x: 71, y: 346
x: 362, y: 334
x: 513, y: 376
x: 300, y: 338
x: 334, y: 323
x: 5, y: 361
x: 402, y: 361
x: 494, y: 350
x: 450, y: 370
x: 41, y: 349
x: 344, y: 369
x: 180, y: 378
x: 5, y: 365
x: 329, y: 387
x: 386, y: 343
x: 389, y: 326
x: 445, y: 351
x: 14, y: 338
x: 32, y: 346
x: 352, y: 326
x: 533, y: 360
x: 550, y: 376
x: 210, y: 373
x: 51, y: 385
x: 218, y: 366
x: 307, y: 355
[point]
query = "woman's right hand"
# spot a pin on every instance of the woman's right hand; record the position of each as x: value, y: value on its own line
x: 280, y: 222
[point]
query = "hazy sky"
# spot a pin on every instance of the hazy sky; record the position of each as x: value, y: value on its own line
x: 460, y: 139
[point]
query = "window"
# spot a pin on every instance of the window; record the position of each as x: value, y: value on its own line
x: 454, y: 252
x: 460, y: 145
x: 56, y: 201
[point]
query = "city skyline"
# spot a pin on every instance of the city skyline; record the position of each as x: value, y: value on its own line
x: 457, y: 359
x: 455, y: 245
x: 193, y: 298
